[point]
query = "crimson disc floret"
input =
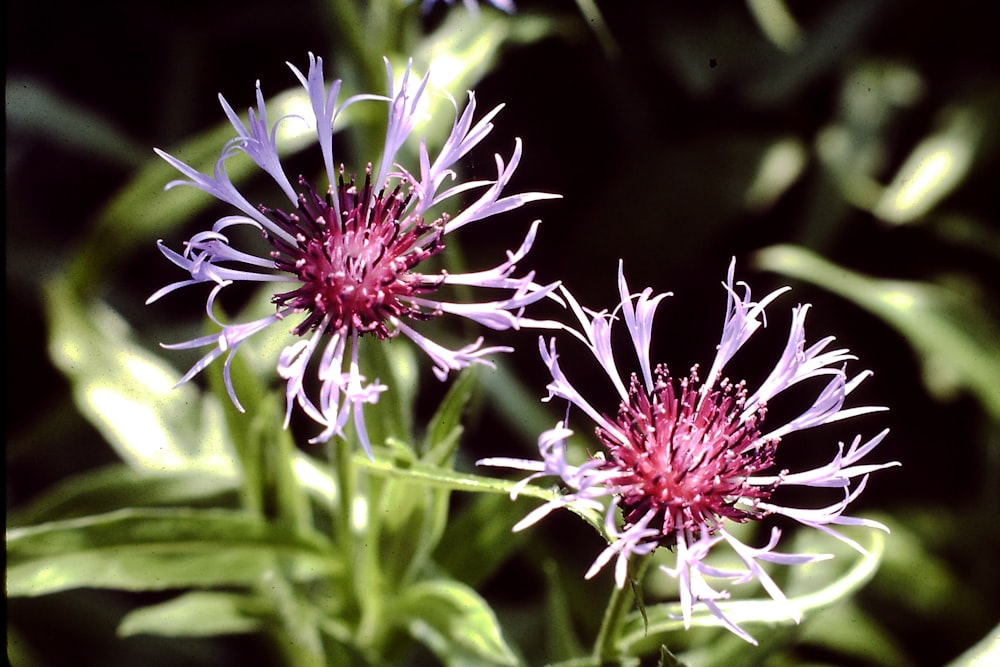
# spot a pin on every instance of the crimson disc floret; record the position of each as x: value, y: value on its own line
x: 687, y: 456
x: 355, y: 272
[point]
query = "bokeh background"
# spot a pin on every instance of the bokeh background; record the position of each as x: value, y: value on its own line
x: 680, y: 135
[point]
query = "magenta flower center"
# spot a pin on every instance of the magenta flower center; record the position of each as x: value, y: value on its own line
x: 687, y: 456
x: 356, y: 272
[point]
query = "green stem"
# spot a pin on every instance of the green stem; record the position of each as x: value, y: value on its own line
x: 614, y: 615
x: 342, y: 462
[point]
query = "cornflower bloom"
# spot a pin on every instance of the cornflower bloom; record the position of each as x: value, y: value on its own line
x: 344, y: 262
x: 684, y: 458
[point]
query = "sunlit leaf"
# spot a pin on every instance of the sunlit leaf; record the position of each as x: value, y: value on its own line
x: 461, y: 53
x: 142, y: 212
x: 937, y: 165
x: 150, y: 549
x: 642, y: 635
x: 394, y: 364
x: 777, y: 23
x: 196, y: 614
x: 116, y: 486
x: 956, y: 339
x: 986, y: 652
x: 128, y: 394
x: 781, y: 165
x: 454, y: 622
x: 314, y: 478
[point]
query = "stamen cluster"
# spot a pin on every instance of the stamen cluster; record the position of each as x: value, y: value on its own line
x: 687, y: 456
x: 355, y: 271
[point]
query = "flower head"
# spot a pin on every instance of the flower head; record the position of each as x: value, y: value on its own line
x: 347, y: 260
x: 684, y: 458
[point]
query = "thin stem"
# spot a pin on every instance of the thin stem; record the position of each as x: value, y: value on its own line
x: 614, y: 615
x: 342, y: 462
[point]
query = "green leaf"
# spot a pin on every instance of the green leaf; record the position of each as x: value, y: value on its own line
x: 34, y: 108
x: 846, y: 631
x: 937, y: 165
x: 638, y: 636
x: 128, y: 394
x: 265, y: 450
x: 404, y: 513
x: 149, y: 549
x: 956, y: 339
x: 445, y: 426
x: 454, y: 622
x: 561, y: 637
x: 668, y: 659
x: 460, y: 481
x: 116, y: 486
x: 444, y: 477
x: 142, y: 212
x: 394, y: 363
x: 483, y: 528
x: 196, y: 614
x: 986, y: 652
x: 413, y: 516
x: 315, y: 478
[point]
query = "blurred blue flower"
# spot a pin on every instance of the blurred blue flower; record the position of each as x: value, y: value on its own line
x: 682, y: 458
x: 471, y: 5
x: 344, y: 261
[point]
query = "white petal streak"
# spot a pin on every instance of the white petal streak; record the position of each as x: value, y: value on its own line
x: 561, y: 387
x: 639, y: 320
x: 446, y: 360
x: 743, y: 318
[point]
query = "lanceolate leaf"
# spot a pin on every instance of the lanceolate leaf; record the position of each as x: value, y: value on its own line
x: 955, y: 338
x: 454, y: 622
x: 116, y: 486
x: 141, y: 550
x: 445, y: 426
x: 128, y: 394
x: 639, y: 637
x: 197, y: 614
x: 129, y: 221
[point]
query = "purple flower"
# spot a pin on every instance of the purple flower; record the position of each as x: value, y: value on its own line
x: 683, y: 458
x: 347, y: 260
x: 471, y: 5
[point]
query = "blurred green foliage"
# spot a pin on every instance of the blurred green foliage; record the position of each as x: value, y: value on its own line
x: 851, y: 148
